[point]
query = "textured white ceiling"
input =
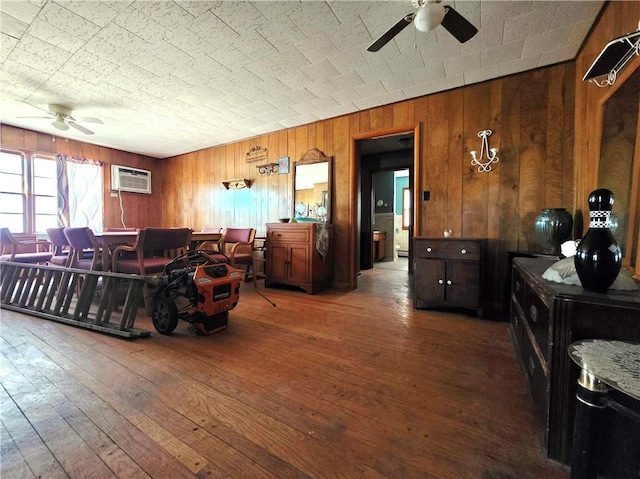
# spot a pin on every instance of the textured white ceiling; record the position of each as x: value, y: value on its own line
x: 169, y: 77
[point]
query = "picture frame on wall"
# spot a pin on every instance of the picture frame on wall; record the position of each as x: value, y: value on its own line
x: 283, y: 165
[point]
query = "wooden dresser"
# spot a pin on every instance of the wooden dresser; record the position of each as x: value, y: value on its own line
x: 293, y: 256
x: 448, y: 272
x: 546, y: 317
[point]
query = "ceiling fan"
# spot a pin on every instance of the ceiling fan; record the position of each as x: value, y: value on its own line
x: 429, y: 15
x: 62, y: 119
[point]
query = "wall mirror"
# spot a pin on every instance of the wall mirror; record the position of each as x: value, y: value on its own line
x: 619, y: 165
x: 312, y: 187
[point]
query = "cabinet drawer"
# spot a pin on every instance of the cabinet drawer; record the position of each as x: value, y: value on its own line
x: 448, y: 249
x: 518, y: 286
x: 517, y: 326
x: 538, y: 384
x: 288, y: 235
x: 537, y: 316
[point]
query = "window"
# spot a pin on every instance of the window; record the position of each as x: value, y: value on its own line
x: 45, y: 194
x: 39, y: 192
x: 12, y: 196
x: 29, y: 192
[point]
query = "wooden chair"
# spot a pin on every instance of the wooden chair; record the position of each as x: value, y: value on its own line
x: 86, y: 250
x: 237, y: 244
x: 13, y: 249
x: 154, y: 249
x: 61, y: 248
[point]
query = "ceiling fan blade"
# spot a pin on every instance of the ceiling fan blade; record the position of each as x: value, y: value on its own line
x: 392, y: 32
x: 457, y: 25
x: 88, y: 119
x: 44, y: 117
x: 81, y: 128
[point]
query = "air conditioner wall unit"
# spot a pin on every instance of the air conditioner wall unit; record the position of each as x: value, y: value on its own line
x: 134, y: 180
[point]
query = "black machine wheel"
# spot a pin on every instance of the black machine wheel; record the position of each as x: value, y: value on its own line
x: 164, y: 315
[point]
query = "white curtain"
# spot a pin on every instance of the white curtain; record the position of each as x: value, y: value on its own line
x: 85, y: 194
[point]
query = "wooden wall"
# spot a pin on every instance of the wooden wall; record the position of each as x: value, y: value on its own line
x: 531, y: 115
x: 619, y: 18
x: 139, y: 210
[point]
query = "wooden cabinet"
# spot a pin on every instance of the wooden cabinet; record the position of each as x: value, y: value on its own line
x: 546, y: 317
x: 379, y: 245
x: 448, y: 272
x: 294, y: 255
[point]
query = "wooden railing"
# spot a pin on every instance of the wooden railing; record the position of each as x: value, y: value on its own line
x: 87, y: 299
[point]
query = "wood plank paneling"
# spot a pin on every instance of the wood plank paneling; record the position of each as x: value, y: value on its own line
x: 532, y: 157
x: 344, y: 231
x: 500, y: 205
x: 437, y: 212
x: 477, y: 111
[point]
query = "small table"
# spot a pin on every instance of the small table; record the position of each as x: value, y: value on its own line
x: 605, y: 365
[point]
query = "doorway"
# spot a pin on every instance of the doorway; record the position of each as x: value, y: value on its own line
x: 385, y: 218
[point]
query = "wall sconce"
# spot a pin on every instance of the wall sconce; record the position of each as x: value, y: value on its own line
x: 236, y: 183
x: 491, y: 153
x: 267, y: 168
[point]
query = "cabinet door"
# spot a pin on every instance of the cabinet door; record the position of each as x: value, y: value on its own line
x: 277, y: 264
x: 429, y: 276
x: 299, y: 263
x: 463, y: 284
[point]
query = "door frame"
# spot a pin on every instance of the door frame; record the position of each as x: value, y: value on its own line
x: 354, y: 156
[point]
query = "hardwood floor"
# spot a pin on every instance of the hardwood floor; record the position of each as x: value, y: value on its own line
x: 337, y: 385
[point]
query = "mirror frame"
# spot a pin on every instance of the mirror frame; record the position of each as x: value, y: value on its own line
x: 633, y: 225
x: 312, y: 156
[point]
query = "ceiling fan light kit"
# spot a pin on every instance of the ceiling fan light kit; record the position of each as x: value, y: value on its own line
x: 428, y: 16
x: 62, y: 119
x: 60, y: 124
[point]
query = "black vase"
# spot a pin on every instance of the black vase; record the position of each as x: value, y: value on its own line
x: 554, y: 226
x: 598, y: 257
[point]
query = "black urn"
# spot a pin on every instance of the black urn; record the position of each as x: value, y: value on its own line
x: 598, y: 257
x: 554, y: 226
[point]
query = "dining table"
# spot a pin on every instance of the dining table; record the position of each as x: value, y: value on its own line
x: 110, y: 239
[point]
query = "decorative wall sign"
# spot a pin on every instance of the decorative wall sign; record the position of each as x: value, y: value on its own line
x: 257, y: 153
x: 283, y: 165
